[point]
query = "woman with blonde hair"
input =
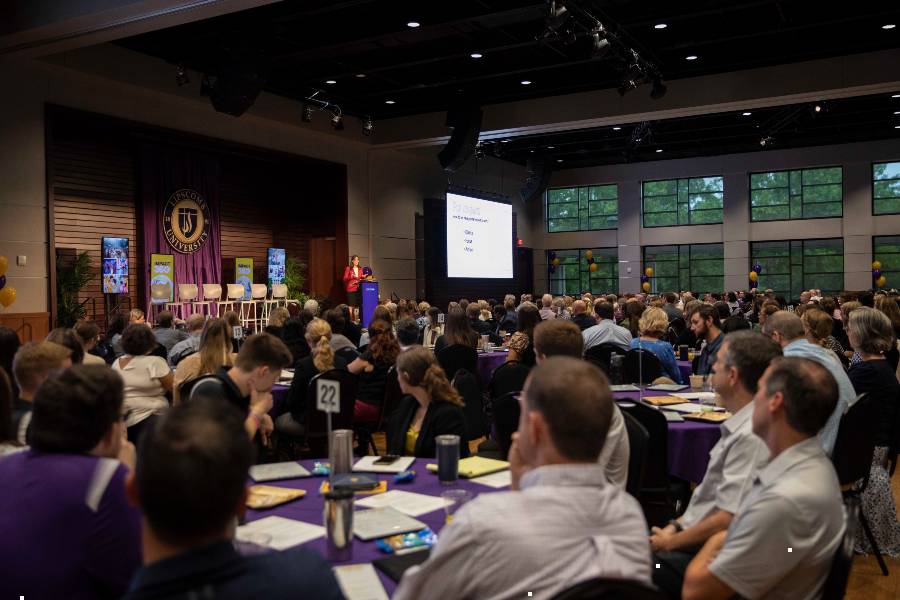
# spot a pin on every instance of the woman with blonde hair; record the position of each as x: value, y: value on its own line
x: 276, y: 321
x: 430, y: 407
x: 215, y: 352
x: 321, y: 359
x: 653, y: 325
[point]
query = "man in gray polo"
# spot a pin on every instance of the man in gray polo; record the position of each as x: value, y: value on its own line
x: 740, y: 362
x: 606, y: 331
x: 784, y: 537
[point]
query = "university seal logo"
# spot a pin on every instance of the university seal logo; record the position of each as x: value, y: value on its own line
x: 186, y: 221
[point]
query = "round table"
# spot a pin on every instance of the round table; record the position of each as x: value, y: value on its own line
x: 279, y: 399
x: 689, y: 442
x: 686, y: 371
x: 487, y: 362
x: 309, y: 509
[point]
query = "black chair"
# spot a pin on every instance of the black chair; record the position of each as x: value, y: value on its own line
x: 676, y: 328
x: 455, y: 357
x: 184, y: 390
x: 852, y: 458
x: 602, y: 588
x: 466, y: 383
x: 506, y: 420
x: 348, y: 354
x: 601, y: 354
x: 640, y: 366
x: 317, y: 421
x: 836, y: 583
x: 638, y: 443
x: 508, y: 377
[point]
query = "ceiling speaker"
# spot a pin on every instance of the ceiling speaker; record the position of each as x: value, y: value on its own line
x: 537, y: 178
x: 238, y: 83
x: 466, y: 124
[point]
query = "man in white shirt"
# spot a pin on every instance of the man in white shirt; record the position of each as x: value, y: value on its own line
x: 562, y: 523
x: 740, y: 362
x: 784, y: 537
x: 606, y: 331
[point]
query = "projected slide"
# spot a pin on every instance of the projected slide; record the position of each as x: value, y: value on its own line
x: 479, y: 238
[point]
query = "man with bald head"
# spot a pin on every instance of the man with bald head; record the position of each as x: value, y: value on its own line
x: 786, y: 329
x: 580, y: 315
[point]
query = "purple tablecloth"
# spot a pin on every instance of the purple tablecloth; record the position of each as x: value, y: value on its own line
x: 689, y: 442
x: 487, y: 362
x: 309, y: 509
x: 279, y: 400
x: 685, y: 367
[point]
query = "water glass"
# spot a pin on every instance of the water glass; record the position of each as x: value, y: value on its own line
x: 453, y: 501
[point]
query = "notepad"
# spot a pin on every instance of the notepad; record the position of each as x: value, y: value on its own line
x: 278, y: 533
x: 476, y: 466
x: 382, y: 522
x: 667, y: 387
x: 267, y: 496
x: 495, y: 480
x: 366, y: 464
x: 686, y: 407
x: 281, y: 470
x: 672, y: 417
x: 709, y: 417
x: 627, y: 387
x: 360, y: 582
x: 409, y: 503
x: 663, y: 400
x: 695, y: 395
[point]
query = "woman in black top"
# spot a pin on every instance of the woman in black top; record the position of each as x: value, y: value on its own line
x: 372, y: 368
x: 431, y: 407
x: 457, y: 330
x: 521, y: 344
x: 871, y: 335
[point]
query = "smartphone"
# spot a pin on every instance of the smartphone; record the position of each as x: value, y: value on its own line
x: 388, y: 459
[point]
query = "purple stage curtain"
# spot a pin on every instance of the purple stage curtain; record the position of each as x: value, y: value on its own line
x: 163, y: 171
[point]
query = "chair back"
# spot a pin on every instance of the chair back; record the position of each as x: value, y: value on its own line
x: 676, y: 328
x: 184, y: 390
x: 601, y: 354
x: 602, y: 588
x: 836, y: 582
x: 506, y: 420
x: 508, y: 377
x: 640, y: 366
x: 258, y: 291
x: 212, y: 291
x: 235, y: 291
x: 638, y: 443
x: 855, y: 445
x: 455, y: 357
x: 279, y: 290
x: 656, y: 472
x: 187, y: 291
x: 392, y: 395
x: 348, y: 354
x: 317, y: 421
x: 466, y: 383
x: 160, y: 293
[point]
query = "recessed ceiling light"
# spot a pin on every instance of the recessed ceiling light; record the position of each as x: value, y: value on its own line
x: 331, y: 82
x: 747, y: 114
x: 476, y: 55
x: 531, y: 151
x: 888, y: 26
x: 691, y: 57
x: 896, y: 126
x: 559, y: 160
x: 896, y: 96
x: 525, y: 82
x: 389, y: 102
x: 617, y: 128
x: 413, y: 24
x: 660, y: 26
x: 360, y: 75
x: 897, y: 112
x: 658, y: 150
x: 504, y: 141
x: 550, y: 147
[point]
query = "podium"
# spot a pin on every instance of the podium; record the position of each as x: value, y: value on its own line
x: 369, y: 292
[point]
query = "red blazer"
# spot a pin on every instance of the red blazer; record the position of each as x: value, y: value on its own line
x: 351, y: 283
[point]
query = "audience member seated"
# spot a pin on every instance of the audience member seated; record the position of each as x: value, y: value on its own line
x: 561, y: 309
x: 480, y: 327
x: 89, y: 336
x: 118, y: 325
x: 248, y: 384
x: 190, y: 485
x: 706, y: 326
x: 433, y: 329
x: 633, y: 310
x: 547, y: 311
x: 32, y: 365
x: 888, y: 305
x: 339, y: 341
x: 312, y: 306
x: 294, y: 335
x: 215, y: 353
x: 786, y: 329
x: 457, y: 330
x: 652, y: 326
x: 8, y: 441
x: 276, y: 321
x: 191, y: 343
x: 233, y: 320
x: 381, y: 313
x: 371, y: 369
x: 429, y: 408
x: 562, y: 522
x: 580, y: 315
x: 606, y: 331
x: 147, y: 378
x: 817, y: 327
x: 508, y: 323
x: 687, y: 337
x: 323, y: 358
x: 871, y: 334
x: 67, y: 338
x: 521, y: 345
x: 9, y: 345
x: 742, y: 359
x: 68, y: 530
x: 407, y: 333
x: 784, y: 535
x: 352, y: 330
x: 165, y: 331
x: 670, y: 301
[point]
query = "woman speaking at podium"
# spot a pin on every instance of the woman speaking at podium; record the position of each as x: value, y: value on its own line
x: 352, y: 276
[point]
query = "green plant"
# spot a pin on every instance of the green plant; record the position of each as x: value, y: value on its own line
x: 295, y: 279
x: 71, y: 277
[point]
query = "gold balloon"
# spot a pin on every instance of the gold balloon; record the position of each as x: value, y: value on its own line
x: 753, y: 276
x: 875, y: 265
x: 4, y: 264
x: 555, y: 262
x: 589, y: 254
x: 879, y: 282
x: 648, y: 271
x: 646, y: 286
x: 7, y: 295
x: 593, y: 267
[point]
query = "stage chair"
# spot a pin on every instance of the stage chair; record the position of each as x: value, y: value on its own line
x: 212, y: 293
x: 250, y: 312
x: 202, y: 305
x: 272, y: 302
x: 279, y: 294
x: 234, y: 293
x: 187, y: 295
x: 159, y: 297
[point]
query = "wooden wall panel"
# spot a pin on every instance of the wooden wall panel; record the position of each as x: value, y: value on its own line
x: 31, y: 327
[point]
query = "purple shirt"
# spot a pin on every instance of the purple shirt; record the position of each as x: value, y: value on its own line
x: 67, y: 529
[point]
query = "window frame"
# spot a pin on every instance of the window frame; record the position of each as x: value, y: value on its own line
x: 679, y: 247
x: 584, y: 269
x: 876, y: 257
x: 752, y: 259
x: 578, y: 189
x: 872, y: 186
x: 690, y: 212
x: 789, y: 171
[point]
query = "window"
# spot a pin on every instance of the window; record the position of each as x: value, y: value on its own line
x: 583, y: 208
x: 886, y: 249
x: 573, y: 275
x: 886, y: 188
x: 791, y: 266
x: 800, y: 194
x: 693, y: 201
x: 694, y: 267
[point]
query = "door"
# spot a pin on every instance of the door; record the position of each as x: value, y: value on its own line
x: 324, y: 279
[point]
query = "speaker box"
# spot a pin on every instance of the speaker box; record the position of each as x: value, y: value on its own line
x: 237, y: 85
x: 466, y: 124
x: 536, y: 179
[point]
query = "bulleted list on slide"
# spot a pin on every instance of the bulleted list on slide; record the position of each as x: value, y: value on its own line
x: 479, y: 238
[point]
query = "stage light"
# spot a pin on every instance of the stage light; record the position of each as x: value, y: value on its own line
x: 337, y: 121
x: 306, y: 116
x: 617, y: 128
x: 601, y: 45
x: 559, y: 160
x: 476, y: 55
x: 360, y: 75
x: 691, y: 57
x: 181, y: 76
x: 413, y: 24
x: 817, y: 108
x: 660, y: 26
x: 368, y: 126
x: 658, y: 150
x: 659, y: 89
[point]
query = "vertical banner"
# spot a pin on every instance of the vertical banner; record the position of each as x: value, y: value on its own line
x: 243, y: 274
x: 276, y: 266
x: 162, y: 278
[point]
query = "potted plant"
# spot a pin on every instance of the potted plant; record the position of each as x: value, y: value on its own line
x: 72, y: 274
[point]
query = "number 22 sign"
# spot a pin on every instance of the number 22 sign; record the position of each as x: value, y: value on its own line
x: 328, y: 395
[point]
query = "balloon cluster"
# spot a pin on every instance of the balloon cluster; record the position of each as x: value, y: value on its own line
x: 645, y: 279
x: 589, y: 256
x: 754, y: 276
x: 7, y: 292
x: 554, y: 261
x: 878, y: 278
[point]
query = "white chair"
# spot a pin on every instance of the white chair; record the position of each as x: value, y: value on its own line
x: 233, y: 294
x: 187, y: 294
x: 159, y: 297
x: 212, y: 293
x: 249, y: 309
x: 279, y: 295
x: 258, y: 293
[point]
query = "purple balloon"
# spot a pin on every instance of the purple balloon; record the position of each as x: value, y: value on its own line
x: 758, y: 268
x: 876, y: 273
x: 590, y: 260
x: 2, y: 281
x: 553, y: 268
x: 644, y: 279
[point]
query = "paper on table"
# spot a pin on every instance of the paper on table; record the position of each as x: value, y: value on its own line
x: 281, y: 533
x: 495, y: 480
x: 695, y: 395
x: 360, y: 582
x: 366, y: 464
x: 627, y: 387
x: 672, y: 417
x: 409, y: 503
x: 687, y: 407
